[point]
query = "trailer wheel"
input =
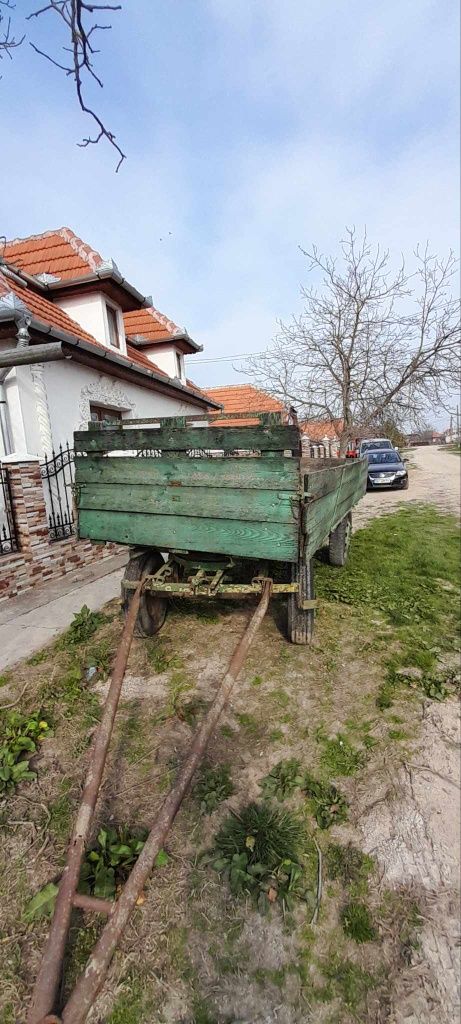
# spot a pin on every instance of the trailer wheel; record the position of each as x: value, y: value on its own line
x: 338, y: 546
x: 153, y: 607
x: 301, y: 620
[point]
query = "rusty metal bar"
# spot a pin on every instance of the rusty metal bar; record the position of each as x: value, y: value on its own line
x: 93, y: 903
x: 46, y: 985
x: 156, y: 585
x: 90, y: 982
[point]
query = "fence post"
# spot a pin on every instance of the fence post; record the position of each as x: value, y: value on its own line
x: 28, y: 502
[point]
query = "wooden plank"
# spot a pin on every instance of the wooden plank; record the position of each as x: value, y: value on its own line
x: 275, y: 541
x: 260, y: 438
x: 263, y: 506
x: 318, y: 482
x: 181, y: 471
x: 325, y: 512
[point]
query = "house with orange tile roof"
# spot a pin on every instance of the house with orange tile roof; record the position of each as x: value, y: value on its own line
x: 97, y: 349
x: 242, y: 399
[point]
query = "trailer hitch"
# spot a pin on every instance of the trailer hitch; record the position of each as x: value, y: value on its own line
x: 90, y: 982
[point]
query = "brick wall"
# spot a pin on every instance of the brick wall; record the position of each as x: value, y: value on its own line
x: 38, y: 559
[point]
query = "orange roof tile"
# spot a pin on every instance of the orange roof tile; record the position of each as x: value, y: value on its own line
x: 58, y: 252
x: 150, y: 324
x: 318, y: 430
x: 44, y: 310
x: 49, y: 314
x: 240, y: 398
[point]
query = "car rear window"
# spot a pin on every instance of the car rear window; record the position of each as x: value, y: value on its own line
x: 383, y: 458
x: 370, y: 446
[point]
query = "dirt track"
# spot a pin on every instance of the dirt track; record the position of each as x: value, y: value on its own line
x: 434, y: 477
x: 418, y: 842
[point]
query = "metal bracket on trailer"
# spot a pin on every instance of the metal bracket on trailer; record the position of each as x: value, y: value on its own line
x: 81, y: 999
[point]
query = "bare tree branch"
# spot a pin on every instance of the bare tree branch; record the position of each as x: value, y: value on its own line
x: 74, y: 14
x: 7, y: 40
x: 372, y: 344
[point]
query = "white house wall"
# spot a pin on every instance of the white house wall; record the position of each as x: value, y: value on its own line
x: 90, y: 312
x: 71, y: 387
x: 164, y: 356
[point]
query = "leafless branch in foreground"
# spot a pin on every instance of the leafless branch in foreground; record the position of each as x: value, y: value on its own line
x: 372, y: 344
x: 79, y: 64
x: 7, y: 40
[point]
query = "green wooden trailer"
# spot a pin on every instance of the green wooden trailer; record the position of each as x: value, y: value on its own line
x: 213, y: 510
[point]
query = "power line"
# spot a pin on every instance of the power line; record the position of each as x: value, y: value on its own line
x: 227, y: 358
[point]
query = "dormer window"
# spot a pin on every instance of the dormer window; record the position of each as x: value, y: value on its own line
x: 112, y: 323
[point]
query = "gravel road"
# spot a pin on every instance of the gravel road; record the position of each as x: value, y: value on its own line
x: 434, y: 477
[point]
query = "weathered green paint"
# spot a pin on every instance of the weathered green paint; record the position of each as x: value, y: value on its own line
x: 241, y: 507
x: 210, y: 502
x: 326, y: 505
x: 181, y: 471
x: 277, y: 541
x: 259, y: 438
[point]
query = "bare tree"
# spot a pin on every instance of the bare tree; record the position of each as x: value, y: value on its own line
x: 372, y: 343
x: 78, y: 18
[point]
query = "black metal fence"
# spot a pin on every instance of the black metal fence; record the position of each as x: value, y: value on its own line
x: 58, y: 480
x: 8, y: 534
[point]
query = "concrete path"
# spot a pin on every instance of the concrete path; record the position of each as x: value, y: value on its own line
x: 30, y: 622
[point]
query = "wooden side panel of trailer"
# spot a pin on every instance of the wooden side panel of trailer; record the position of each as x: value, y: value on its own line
x: 243, y: 507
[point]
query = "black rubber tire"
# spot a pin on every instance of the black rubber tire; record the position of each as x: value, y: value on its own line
x: 300, y: 620
x: 338, y: 545
x: 404, y: 486
x: 153, y: 607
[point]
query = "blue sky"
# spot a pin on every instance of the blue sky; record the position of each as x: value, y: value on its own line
x: 251, y: 127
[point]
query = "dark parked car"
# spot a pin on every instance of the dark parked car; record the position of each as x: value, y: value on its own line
x: 386, y: 469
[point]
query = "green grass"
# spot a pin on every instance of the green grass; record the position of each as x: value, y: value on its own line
x: 348, y: 981
x: 133, y: 1005
x: 406, y: 566
x: 339, y: 757
x: 357, y: 922
x: 348, y: 865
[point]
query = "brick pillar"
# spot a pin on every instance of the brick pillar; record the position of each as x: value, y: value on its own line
x: 29, y: 508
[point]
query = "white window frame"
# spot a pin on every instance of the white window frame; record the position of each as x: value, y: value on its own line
x: 121, y: 347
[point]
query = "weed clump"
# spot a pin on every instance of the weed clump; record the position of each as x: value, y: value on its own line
x: 20, y: 738
x: 260, y: 852
x: 328, y: 804
x: 348, y: 864
x: 213, y: 786
x: 339, y: 757
x: 283, y: 779
x: 108, y: 863
x: 83, y: 626
x: 357, y: 922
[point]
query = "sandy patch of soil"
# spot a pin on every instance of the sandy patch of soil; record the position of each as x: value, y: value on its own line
x: 415, y: 840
